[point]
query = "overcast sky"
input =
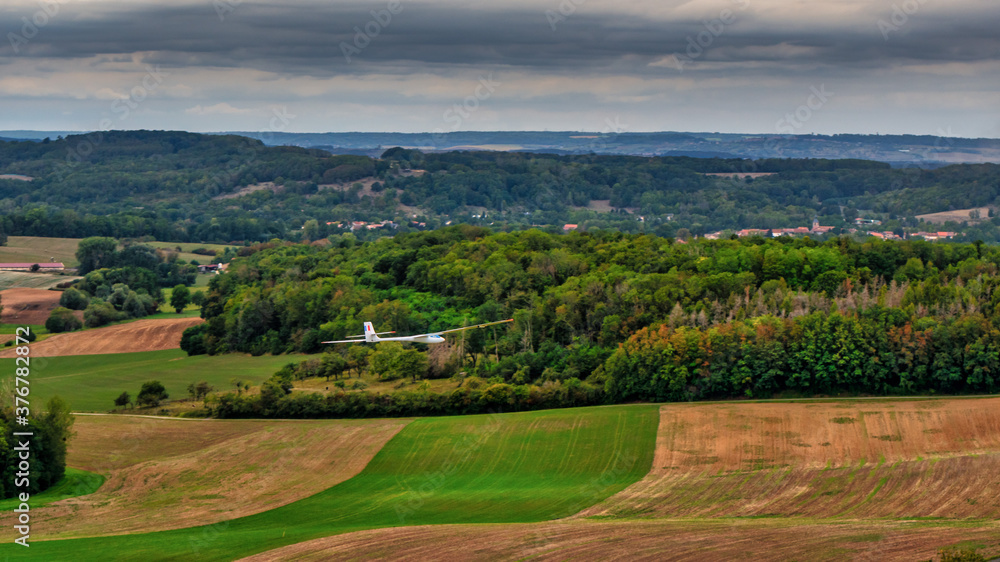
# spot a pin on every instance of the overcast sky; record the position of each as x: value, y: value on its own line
x: 753, y: 66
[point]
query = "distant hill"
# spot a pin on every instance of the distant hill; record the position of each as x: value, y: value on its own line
x: 925, y: 151
x: 190, y: 187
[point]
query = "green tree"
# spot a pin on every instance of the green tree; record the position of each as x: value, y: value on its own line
x: 133, y: 305
x: 151, y: 394
x: 74, y: 299
x: 193, y: 339
x: 391, y: 361
x: 199, y: 390
x: 62, y: 320
x: 333, y: 365
x: 240, y: 385
x: 956, y: 554
x: 96, y: 252
x: 99, y: 314
x: 123, y: 399
x: 198, y: 298
x: 357, y: 358
x: 57, y: 423
x: 180, y: 298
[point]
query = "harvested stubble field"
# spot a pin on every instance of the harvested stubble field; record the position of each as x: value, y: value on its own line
x: 719, y: 540
x: 130, y: 337
x: 28, y: 280
x: 28, y: 306
x: 863, y: 459
x: 168, y: 474
x: 958, y: 215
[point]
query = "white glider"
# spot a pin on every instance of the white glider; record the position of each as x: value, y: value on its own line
x: 371, y: 336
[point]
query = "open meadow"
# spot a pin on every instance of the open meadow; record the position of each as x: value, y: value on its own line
x: 90, y: 383
x: 186, y: 248
x: 40, y: 249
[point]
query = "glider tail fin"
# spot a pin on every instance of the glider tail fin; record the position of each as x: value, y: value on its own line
x: 370, y: 335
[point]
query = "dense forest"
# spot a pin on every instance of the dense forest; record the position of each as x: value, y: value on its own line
x: 611, y: 317
x: 177, y: 186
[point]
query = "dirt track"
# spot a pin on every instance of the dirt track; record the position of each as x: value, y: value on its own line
x: 141, y: 335
x: 644, y: 540
x: 169, y: 474
x: 28, y: 306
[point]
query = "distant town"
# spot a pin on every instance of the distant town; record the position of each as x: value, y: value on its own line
x: 820, y: 229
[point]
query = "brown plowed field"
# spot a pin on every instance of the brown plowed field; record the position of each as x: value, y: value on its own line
x: 646, y: 540
x: 167, y: 474
x: 141, y: 335
x: 28, y: 306
x: 930, y: 458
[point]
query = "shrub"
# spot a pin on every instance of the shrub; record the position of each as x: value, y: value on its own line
x: 62, y: 320
x: 74, y: 299
x: 100, y: 314
x: 193, y: 339
x: 151, y: 394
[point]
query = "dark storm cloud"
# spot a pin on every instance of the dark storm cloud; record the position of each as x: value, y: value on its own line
x: 307, y: 38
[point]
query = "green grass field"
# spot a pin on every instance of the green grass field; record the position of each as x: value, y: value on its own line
x: 39, y: 249
x: 169, y: 291
x: 76, y: 483
x: 522, y: 467
x: 90, y: 383
x: 186, y: 247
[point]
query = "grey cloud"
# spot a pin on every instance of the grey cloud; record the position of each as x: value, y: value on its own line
x: 305, y: 38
